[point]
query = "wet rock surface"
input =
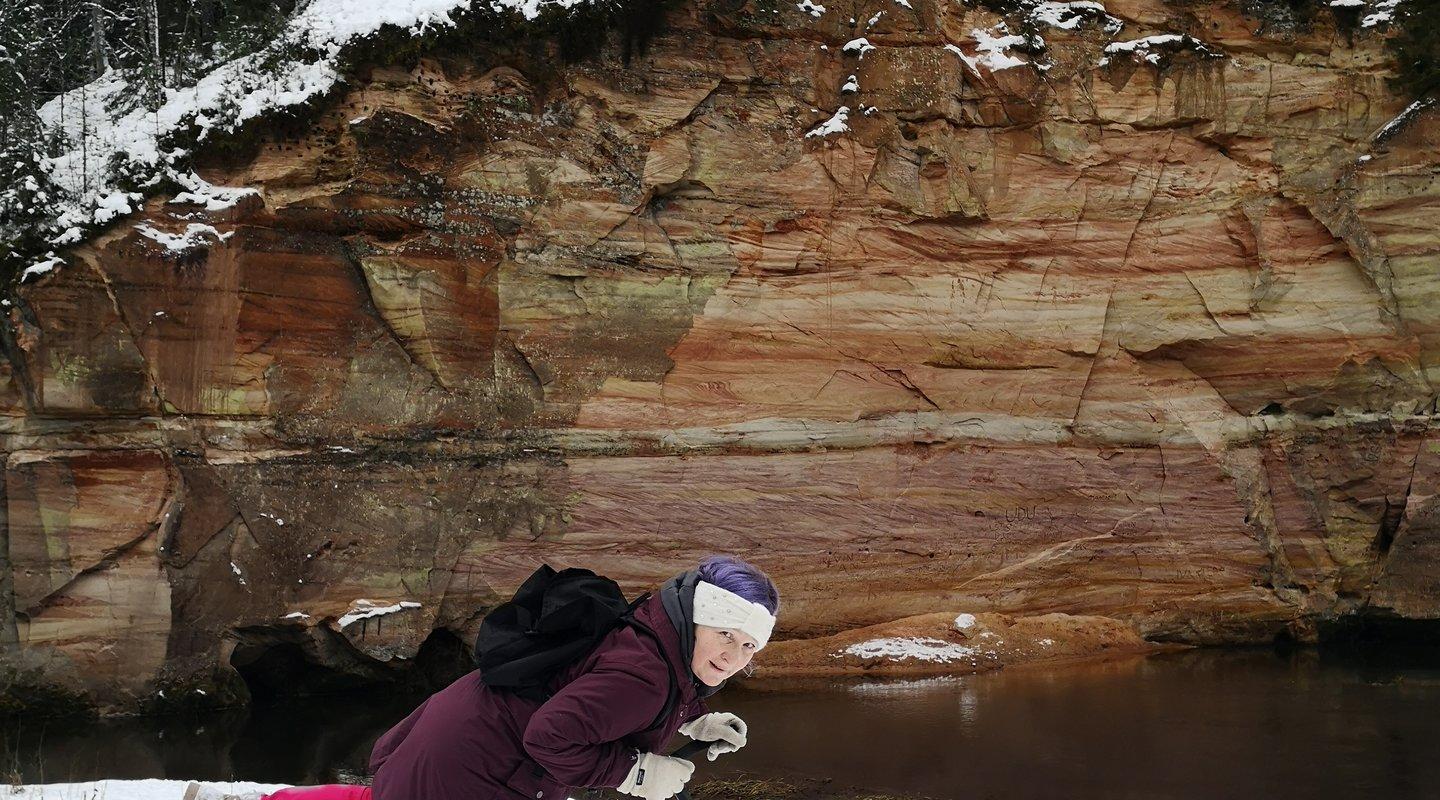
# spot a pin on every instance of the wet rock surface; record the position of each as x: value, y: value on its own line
x: 1153, y: 340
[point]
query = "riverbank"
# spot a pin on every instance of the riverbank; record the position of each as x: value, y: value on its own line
x: 736, y: 788
x: 949, y: 643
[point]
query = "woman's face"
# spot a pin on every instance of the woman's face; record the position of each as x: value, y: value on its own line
x: 720, y: 653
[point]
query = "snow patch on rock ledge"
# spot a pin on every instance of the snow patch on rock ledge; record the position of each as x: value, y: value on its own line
x: 196, y: 234
x: 1152, y: 49
x: 839, y: 123
x: 951, y: 643
x: 813, y: 9
x: 859, y: 46
x: 992, y: 50
x: 918, y: 648
x: 366, y: 609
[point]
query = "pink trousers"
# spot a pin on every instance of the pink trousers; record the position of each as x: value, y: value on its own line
x: 333, y: 792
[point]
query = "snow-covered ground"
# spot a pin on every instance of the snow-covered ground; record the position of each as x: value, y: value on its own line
x: 125, y: 790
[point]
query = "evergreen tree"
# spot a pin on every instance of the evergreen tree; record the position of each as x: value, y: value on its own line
x: 1416, y: 46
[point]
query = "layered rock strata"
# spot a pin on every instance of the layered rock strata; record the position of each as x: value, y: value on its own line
x: 1143, y: 328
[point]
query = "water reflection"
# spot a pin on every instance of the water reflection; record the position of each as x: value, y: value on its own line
x: 300, y: 741
x: 1188, y: 725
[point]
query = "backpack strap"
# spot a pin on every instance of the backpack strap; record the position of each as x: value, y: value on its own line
x: 672, y: 692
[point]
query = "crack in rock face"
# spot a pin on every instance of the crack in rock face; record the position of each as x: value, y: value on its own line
x: 1146, y: 347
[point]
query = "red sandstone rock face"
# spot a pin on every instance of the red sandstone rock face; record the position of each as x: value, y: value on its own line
x: 1143, y: 341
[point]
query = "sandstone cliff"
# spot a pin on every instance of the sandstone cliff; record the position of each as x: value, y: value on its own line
x: 1063, y: 312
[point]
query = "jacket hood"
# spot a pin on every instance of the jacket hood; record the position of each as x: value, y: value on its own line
x: 677, y: 595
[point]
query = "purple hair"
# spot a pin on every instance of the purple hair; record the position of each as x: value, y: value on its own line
x: 742, y: 578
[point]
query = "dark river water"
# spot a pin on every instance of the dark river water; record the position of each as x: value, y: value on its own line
x: 1205, y: 724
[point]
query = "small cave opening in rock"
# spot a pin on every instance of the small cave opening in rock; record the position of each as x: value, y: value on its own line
x: 442, y: 658
x: 279, y: 664
x: 1379, y: 644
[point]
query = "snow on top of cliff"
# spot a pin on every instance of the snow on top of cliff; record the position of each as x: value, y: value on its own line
x: 1068, y: 16
x: 906, y: 648
x: 1403, y: 118
x: 1384, y: 12
x: 129, y: 790
x: 330, y: 24
x: 367, y: 609
x: 111, y: 138
x: 1151, y: 49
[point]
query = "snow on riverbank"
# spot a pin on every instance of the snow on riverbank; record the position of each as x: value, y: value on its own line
x: 125, y: 790
x: 901, y: 648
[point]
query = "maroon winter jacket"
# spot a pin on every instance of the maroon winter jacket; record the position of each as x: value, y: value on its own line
x: 468, y: 742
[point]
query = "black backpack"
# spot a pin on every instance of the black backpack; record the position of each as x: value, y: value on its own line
x: 553, y: 620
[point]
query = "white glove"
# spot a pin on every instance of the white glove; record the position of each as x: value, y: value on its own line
x: 726, y: 730
x: 657, y: 777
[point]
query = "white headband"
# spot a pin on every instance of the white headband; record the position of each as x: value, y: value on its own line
x: 720, y: 608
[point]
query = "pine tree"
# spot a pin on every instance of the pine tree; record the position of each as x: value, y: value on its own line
x: 1416, y: 46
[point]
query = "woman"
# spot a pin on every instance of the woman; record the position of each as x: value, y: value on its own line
x: 607, y: 719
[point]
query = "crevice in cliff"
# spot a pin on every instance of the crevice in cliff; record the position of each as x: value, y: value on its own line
x: 1099, y: 351
x: 14, y: 353
x: 150, y: 371
x: 530, y: 372
x: 654, y: 215
x: 373, y: 309
x: 1393, y: 516
x: 1149, y: 201
x: 903, y: 380
x: 704, y: 104
x: 1247, y: 468
x: 9, y: 632
x: 1204, y: 305
x: 1051, y: 553
x: 1370, y: 262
